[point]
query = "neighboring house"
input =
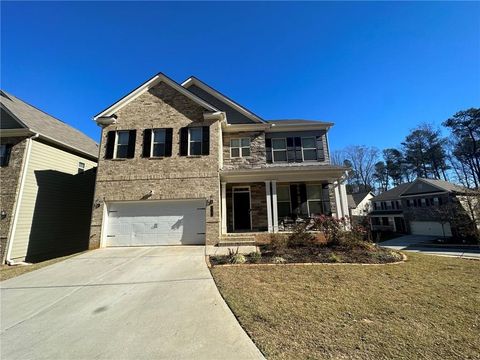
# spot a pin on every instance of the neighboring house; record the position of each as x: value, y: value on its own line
x: 184, y: 164
x: 424, y: 207
x: 47, y: 182
x: 360, y: 203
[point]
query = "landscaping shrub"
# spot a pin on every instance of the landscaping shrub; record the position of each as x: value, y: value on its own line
x: 279, y: 260
x: 331, y: 227
x: 235, y: 258
x: 278, y: 243
x: 255, y: 257
x: 334, y: 258
x: 300, y: 237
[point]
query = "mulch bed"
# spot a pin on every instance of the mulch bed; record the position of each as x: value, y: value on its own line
x: 317, y: 254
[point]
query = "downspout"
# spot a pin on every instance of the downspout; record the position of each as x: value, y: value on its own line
x: 28, y: 151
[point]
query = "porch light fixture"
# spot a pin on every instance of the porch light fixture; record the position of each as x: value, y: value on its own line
x: 96, y: 203
x: 209, y: 201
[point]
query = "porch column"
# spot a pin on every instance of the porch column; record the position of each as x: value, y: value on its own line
x: 224, y: 207
x: 269, y: 206
x: 274, y: 206
x: 338, y: 202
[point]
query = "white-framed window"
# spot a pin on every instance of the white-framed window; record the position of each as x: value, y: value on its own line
x: 81, y: 167
x: 195, y: 141
x: 279, y: 149
x: 314, y: 199
x: 157, y: 146
x: 309, y: 148
x: 121, y: 144
x: 284, y: 205
x: 240, y: 147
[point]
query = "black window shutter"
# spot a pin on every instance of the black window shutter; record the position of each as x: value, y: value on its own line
x: 110, y: 145
x: 184, y: 141
x: 298, y: 149
x: 294, y: 198
x: 320, y: 153
x: 131, y: 144
x: 290, y: 150
x: 147, y: 142
x: 303, y: 193
x: 206, y: 140
x: 6, y: 159
x: 168, y: 141
x: 268, y: 149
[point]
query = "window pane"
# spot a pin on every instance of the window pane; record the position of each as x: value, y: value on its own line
x: 279, y: 144
x: 315, y: 207
x: 309, y: 154
x: 235, y: 152
x: 195, y: 148
x: 309, y: 143
x: 283, y: 209
x: 245, y: 142
x: 159, y: 136
x: 279, y: 156
x: 283, y: 193
x: 122, y: 151
x: 235, y: 143
x: 122, y: 138
x: 195, y: 134
x: 245, y: 151
x: 3, y: 150
x: 314, y: 191
x: 158, y: 149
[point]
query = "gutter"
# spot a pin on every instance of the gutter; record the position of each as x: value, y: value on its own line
x: 13, y: 226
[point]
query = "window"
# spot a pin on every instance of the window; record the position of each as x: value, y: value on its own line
x: 435, y: 201
x: 385, y: 221
x: 283, y: 201
x: 121, y: 148
x: 309, y: 148
x: 195, y: 141
x: 279, y: 149
x: 4, y: 154
x: 240, y: 147
x: 314, y: 200
x: 375, y: 221
x: 424, y: 202
x: 158, y: 143
x: 81, y: 167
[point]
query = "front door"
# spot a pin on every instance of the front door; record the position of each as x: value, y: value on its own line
x: 241, y: 209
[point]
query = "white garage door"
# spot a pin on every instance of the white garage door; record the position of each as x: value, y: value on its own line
x: 178, y: 222
x: 430, y: 228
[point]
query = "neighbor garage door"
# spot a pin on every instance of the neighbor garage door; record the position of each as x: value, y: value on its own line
x: 429, y: 228
x: 156, y: 223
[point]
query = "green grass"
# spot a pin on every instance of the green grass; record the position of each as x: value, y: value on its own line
x: 425, y: 308
x: 8, y: 272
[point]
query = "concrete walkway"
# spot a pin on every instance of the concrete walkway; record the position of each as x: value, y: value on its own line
x: 121, y: 303
x: 424, y: 245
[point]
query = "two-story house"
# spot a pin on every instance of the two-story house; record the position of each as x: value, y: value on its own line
x: 184, y: 164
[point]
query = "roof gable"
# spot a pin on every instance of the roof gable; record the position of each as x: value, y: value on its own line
x: 425, y: 186
x: 236, y: 113
x: 47, y: 126
x: 160, y: 77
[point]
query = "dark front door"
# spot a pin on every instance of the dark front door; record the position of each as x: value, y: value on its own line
x: 241, y: 210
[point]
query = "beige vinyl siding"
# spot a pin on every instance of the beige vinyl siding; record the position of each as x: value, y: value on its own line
x: 56, y: 204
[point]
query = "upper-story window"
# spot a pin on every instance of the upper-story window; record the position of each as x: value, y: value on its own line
x: 81, y: 168
x: 157, y: 143
x: 5, y: 154
x: 309, y: 148
x: 240, y: 147
x: 279, y: 149
x: 195, y: 141
x: 120, y: 144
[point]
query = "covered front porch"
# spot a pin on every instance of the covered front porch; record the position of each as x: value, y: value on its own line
x: 275, y: 202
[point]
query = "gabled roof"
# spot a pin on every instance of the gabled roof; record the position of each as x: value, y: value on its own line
x: 392, y: 194
x: 160, y: 77
x: 192, y: 80
x: 358, y: 197
x: 46, y: 125
x: 444, y: 185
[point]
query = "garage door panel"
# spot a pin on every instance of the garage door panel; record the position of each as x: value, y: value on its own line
x: 431, y: 228
x: 156, y: 223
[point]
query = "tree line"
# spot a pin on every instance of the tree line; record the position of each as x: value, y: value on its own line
x: 423, y: 153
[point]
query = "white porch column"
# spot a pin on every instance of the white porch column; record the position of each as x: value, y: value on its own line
x: 344, y: 200
x: 338, y: 203
x: 224, y: 207
x: 274, y: 206
x: 269, y: 206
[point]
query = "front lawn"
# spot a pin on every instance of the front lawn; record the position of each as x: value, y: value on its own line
x: 427, y: 307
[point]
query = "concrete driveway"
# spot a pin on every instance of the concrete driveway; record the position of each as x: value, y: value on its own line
x: 121, y: 303
x: 424, y: 245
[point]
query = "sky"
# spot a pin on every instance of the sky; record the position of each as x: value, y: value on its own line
x: 375, y: 69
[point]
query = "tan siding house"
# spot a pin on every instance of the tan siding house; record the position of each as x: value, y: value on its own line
x: 47, y: 176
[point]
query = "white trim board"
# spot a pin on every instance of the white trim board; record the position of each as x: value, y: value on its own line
x: 160, y: 77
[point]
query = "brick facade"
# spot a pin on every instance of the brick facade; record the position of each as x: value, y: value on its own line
x: 10, y: 186
x: 175, y: 177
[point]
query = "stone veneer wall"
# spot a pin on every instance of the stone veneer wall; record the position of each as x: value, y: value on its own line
x: 257, y: 156
x: 259, y: 206
x: 175, y: 177
x: 10, y: 186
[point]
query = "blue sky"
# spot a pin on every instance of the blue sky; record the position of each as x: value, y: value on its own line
x: 374, y: 69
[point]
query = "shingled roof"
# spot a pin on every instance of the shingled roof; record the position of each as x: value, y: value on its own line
x: 40, y: 122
